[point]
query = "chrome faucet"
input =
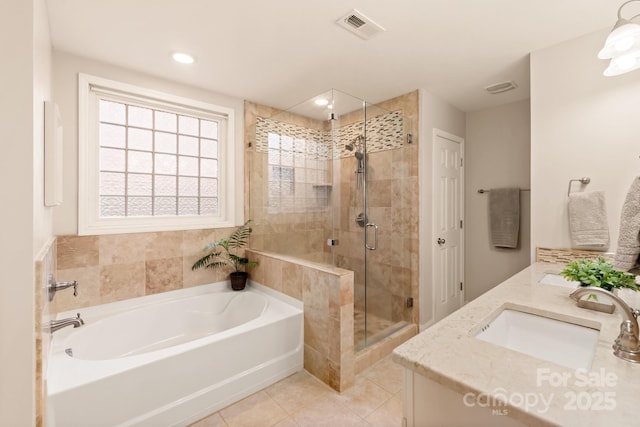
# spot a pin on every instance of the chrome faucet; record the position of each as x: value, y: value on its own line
x: 54, y: 325
x: 627, y: 345
x: 55, y: 286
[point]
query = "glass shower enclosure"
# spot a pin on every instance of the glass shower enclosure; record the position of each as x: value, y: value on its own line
x: 329, y: 183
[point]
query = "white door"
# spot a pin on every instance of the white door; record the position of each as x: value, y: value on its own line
x: 447, y: 223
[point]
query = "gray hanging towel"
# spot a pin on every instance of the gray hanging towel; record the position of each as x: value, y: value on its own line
x: 588, y: 222
x: 629, y: 239
x: 504, y: 217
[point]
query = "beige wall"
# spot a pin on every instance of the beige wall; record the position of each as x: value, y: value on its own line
x: 434, y: 113
x: 582, y: 124
x: 65, y: 80
x: 26, y: 223
x: 497, y: 153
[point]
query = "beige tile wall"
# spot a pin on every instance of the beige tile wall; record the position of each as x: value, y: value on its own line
x: 116, y: 267
x: 45, y: 264
x: 327, y: 294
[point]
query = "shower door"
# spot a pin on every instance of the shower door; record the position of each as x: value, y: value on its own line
x: 386, y: 215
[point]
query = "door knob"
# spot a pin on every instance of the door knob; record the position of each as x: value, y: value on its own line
x: 441, y: 241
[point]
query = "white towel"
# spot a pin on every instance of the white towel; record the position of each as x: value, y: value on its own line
x: 629, y: 239
x: 588, y: 219
x: 504, y: 217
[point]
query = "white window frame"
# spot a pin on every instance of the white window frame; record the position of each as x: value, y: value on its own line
x: 230, y: 162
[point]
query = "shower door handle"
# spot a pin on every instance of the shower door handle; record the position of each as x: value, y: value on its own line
x: 366, y: 244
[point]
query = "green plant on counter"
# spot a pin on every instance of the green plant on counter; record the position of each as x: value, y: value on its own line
x: 220, y: 253
x: 600, y: 273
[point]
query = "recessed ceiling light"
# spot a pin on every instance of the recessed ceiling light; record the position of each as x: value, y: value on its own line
x: 321, y: 102
x: 183, y: 58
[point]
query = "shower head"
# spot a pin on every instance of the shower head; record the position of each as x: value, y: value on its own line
x: 349, y: 147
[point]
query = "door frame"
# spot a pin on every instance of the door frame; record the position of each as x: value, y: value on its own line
x: 433, y: 234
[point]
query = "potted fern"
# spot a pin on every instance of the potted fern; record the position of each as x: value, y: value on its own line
x: 220, y: 254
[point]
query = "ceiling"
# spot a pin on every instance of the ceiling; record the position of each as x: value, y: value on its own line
x: 282, y: 52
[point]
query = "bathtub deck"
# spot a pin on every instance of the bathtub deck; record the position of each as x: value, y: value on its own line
x: 302, y: 400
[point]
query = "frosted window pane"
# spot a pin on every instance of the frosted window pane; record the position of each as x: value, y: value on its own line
x: 188, y: 145
x: 139, y: 206
x: 111, y: 160
x: 139, y: 139
x: 322, y: 176
x: 112, y: 112
x: 165, y: 185
x: 187, y: 186
x: 165, y: 206
x: 188, y: 125
x: 312, y: 164
x: 187, y: 206
x: 165, y: 142
x: 209, y: 148
x: 286, y: 158
x: 209, y: 168
x: 274, y: 189
x: 140, y: 117
x: 111, y: 206
x: 188, y: 166
x: 139, y: 185
x: 208, y: 187
x: 274, y: 141
x: 287, y: 143
x: 165, y: 164
x: 299, y: 159
x: 299, y: 145
x: 274, y: 157
x: 286, y: 188
x: 166, y: 121
x: 111, y: 183
x: 208, y: 206
x: 208, y: 129
x: 112, y: 136
x: 139, y: 162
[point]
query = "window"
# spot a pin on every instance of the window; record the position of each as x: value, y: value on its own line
x: 151, y: 161
x: 297, y: 174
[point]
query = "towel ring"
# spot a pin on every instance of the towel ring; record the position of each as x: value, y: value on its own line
x: 584, y: 180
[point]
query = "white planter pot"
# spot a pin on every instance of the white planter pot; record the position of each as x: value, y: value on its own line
x: 629, y: 296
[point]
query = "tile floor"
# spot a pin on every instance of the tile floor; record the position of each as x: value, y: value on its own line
x: 302, y: 400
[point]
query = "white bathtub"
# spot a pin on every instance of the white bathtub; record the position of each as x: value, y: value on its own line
x: 172, y: 358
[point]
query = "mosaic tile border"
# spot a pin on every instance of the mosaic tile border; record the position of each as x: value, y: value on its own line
x: 384, y: 132
x: 565, y: 256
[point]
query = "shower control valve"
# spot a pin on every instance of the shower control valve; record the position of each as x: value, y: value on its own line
x: 441, y: 241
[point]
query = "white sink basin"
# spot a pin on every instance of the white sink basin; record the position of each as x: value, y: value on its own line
x: 549, y: 339
x: 558, y: 280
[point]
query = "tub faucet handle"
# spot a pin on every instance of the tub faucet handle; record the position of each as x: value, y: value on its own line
x: 55, y: 286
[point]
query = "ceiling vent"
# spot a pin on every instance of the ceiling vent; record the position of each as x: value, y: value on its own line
x: 358, y: 24
x: 501, y: 87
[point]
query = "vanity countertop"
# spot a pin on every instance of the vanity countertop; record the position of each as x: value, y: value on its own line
x: 450, y: 355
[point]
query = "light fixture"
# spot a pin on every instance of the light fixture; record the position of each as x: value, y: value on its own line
x: 622, y: 46
x: 321, y: 102
x: 183, y: 58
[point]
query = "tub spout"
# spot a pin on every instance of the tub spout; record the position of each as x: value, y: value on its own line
x: 55, y: 325
x: 627, y: 345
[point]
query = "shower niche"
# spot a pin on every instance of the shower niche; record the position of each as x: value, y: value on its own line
x: 333, y: 180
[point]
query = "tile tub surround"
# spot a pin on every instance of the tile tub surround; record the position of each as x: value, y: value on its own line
x: 327, y: 294
x: 45, y: 264
x: 448, y: 354
x: 116, y: 267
